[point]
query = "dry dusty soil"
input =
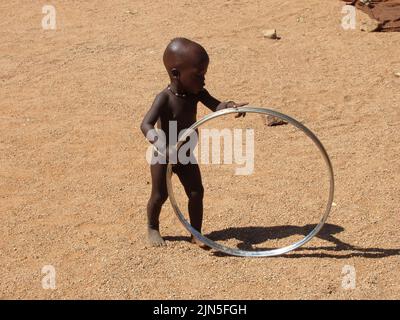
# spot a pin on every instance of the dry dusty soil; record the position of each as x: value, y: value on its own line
x: 74, y: 180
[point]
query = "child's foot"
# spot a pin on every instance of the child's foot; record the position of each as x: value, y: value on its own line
x: 154, y: 237
x: 199, y: 243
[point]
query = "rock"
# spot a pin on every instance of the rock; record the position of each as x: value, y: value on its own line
x: 270, y: 34
x: 397, y: 74
x: 366, y: 2
x: 370, y: 26
x: 367, y: 24
x: 274, y: 121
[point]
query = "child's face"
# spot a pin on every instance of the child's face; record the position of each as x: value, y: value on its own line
x: 192, y: 78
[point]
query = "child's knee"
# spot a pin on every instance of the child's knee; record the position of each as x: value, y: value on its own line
x: 196, y: 194
x: 159, y: 198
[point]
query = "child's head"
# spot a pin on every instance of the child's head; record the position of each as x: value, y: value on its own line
x: 186, y: 63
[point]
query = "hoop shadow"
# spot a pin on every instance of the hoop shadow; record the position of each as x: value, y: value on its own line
x: 249, y: 236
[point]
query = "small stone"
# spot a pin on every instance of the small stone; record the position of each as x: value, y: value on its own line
x: 366, y: 2
x: 370, y: 26
x: 270, y: 34
x: 367, y: 23
x: 272, y: 121
x: 132, y: 12
x: 397, y: 74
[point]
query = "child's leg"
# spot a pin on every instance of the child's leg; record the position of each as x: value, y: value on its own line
x: 190, y: 177
x: 158, y: 196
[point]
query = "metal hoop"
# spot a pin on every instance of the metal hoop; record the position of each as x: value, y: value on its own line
x: 244, y: 253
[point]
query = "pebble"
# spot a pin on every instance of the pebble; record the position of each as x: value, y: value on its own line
x: 272, y: 121
x: 366, y: 2
x: 270, y: 34
x: 370, y: 26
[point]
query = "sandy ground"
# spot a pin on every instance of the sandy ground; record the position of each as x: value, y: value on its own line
x: 74, y: 181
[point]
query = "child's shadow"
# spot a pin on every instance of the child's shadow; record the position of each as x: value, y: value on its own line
x: 250, y: 236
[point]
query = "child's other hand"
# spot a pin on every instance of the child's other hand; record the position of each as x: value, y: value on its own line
x: 232, y: 104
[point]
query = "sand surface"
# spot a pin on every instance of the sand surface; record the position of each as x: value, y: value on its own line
x: 74, y: 180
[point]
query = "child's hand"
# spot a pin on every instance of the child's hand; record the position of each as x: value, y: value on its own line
x: 231, y: 104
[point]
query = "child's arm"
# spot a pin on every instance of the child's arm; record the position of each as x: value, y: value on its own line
x: 152, y: 115
x: 209, y: 101
x: 215, y: 105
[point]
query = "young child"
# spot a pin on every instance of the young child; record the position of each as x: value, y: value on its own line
x: 186, y: 63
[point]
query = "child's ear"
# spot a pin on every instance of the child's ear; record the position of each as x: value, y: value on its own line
x: 175, y: 73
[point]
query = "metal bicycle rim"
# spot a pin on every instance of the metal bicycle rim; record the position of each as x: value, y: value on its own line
x: 243, y: 253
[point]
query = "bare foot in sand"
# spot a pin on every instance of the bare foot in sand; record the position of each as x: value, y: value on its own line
x: 199, y: 243
x: 154, y: 237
